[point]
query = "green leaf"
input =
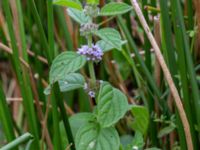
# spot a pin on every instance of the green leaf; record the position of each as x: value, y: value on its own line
x: 92, y: 137
x: 65, y: 63
x: 93, y: 2
x: 126, y: 140
x: 133, y: 143
x: 112, y: 105
x: 115, y: 8
x: 112, y: 37
x: 138, y: 141
x: 80, y: 119
x: 63, y: 135
x: 70, y: 82
x: 78, y: 16
x: 105, y: 46
x: 166, y: 130
x: 69, y: 3
x: 141, y: 118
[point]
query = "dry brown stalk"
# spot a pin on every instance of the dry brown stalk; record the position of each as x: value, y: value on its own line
x: 167, y: 74
x: 9, y: 51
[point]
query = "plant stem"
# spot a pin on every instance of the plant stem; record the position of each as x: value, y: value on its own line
x: 90, y: 64
x: 92, y: 73
x: 105, y: 21
x: 89, y: 40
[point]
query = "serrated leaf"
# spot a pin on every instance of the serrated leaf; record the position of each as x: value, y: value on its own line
x: 112, y: 37
x: 69, y: 3
x: 92, y: 137
x: 105, y: 46
x: 78, y: 16
x: 64, y: 64
x: 112, y: 105
x: 80, y: 119
x: 115, y: 8
x: 141, y: 118
x: 71, y: 82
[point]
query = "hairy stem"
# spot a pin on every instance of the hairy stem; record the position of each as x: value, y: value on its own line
x: 90, y: 64
x: 92, y: 73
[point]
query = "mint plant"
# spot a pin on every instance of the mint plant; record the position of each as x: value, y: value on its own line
x: 93, y: 130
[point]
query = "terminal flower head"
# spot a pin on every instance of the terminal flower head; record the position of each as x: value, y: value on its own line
x: 93, y: 53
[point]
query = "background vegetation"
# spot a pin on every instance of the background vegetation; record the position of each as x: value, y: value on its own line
x: 34, y: 32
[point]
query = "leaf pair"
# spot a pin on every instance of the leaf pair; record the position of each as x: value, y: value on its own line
x: 94, y: 131
x: 110, y: 9
x: 111, y: 106
x: 92, y: 137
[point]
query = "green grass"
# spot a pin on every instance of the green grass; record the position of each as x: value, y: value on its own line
x: 43, y: 28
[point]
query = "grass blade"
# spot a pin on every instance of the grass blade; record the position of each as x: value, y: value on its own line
x: 180, y: 34
x: 143, y: 66
x: 5, y: 116
x: 25, y: 90
x: 18, y: 141
x: 57, y: 98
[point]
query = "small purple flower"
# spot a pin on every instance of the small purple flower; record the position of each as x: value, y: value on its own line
x: 91, y: 94
x: 93, y: 53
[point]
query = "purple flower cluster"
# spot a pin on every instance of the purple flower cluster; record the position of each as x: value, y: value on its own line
x: 93, y: 53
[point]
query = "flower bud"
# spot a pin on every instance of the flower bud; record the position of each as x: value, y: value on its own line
x: 91, y: 10
x: 88, y: 28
